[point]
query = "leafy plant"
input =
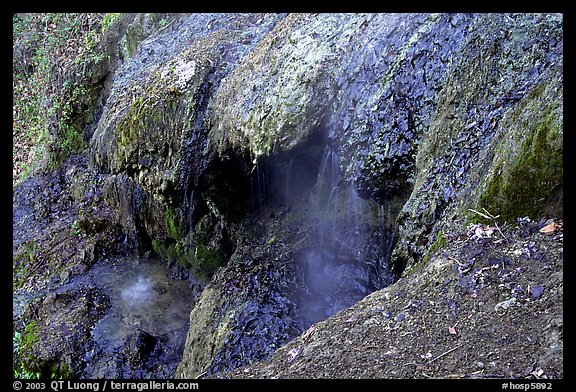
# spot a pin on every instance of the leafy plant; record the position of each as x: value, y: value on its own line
x: 75, y: 230
x: 55, y: 57
x: 109, y: 19
x: 21, y: 344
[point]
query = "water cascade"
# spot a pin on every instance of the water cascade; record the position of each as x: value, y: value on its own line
x: 343, y: 265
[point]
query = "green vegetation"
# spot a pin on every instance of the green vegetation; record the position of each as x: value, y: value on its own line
x: 439, y: 243
x: 55, y: 57
x: 128, y: 125
x: 27, y: 254
x: 109, y: 19
x: 271, y: 241
x: 173, y: 251
x: 30, y: 336
x: 196, y: 252
x: 26, y: 365
x: 21, y: 345
x: 172, y: 227
x: 134, y: 36
x: 23, y: 260
x: 525, y: 185
x: 207, y: 260
x: 146, y: 113
x: 75, y: 229
x: 204, y: 260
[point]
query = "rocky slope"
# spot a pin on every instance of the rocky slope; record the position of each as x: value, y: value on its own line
x: 482, y: 304
x: 294, y: 164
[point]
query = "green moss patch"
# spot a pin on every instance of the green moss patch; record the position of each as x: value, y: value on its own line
x: 207, y: 260
x: 439, y: 243
x: 23, y: 261
x: 174, y: 251
x: 203, y: 259
x: 525, y: 186
x: 26, y: 364
x: 173, y: 228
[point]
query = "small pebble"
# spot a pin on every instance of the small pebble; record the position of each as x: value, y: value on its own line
x: 536, y: 291
x: 400, y: 317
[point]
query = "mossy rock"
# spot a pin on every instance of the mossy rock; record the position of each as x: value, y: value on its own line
x: 531, y: 184
x: 90, y: 224
x: 207, y: 260
x: 175, y: 251
x: 27, y: 365
x: 173, y: 228
x: 204, y: 259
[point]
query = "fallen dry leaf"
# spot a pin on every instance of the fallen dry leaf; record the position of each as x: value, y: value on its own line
x: 452, y: 330
x: 552, y: 226
x: 548, y: 229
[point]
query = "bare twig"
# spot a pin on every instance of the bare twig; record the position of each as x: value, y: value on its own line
x: 479, y: 213
x: 462, y: 265
x: 413, y: 364
x: 165, y: 27
x: 490, y: 215
x: 445, y: 353
x: 457, y: 261
x: 500, y: 231
x: 463, y: 241
x: 433, y: 359
x: 201, y: 374
x: 484, y: 375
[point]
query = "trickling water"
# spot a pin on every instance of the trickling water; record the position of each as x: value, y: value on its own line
x: 323, y: 163
x: 191, y: 212
x: 335, y: 280
x: 137, y: 293
x: 333, y: 198
x: 335, y: 167
x: 328, y: 178
x: 339, y: 270
x: 355, y: 205
x: 288, y: 178
x: 127, y: 211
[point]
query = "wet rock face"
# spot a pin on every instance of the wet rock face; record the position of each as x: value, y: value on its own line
x: 476, y: 134
x: 154, y: 117
x: 400, y: 98
x: 152, y: 135
x: 332, y: 282
x: 411, y: 107
x: 290, y: 159
x: 68, y: 314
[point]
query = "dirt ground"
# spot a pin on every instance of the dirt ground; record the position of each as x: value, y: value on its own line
x: 486, y: 304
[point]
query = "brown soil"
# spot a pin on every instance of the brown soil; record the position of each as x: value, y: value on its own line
x: 478, y: 308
